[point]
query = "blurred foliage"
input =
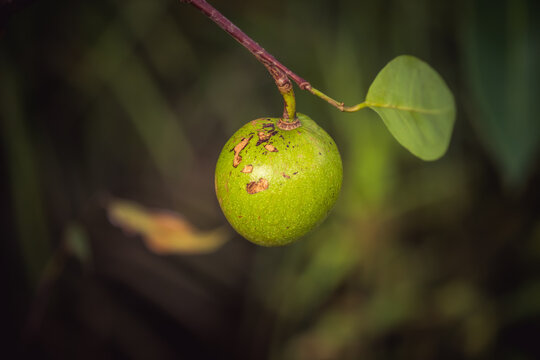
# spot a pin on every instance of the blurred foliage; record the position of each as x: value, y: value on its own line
x: 109, y: 99
x: 501, y: 56
x: 164, y: 232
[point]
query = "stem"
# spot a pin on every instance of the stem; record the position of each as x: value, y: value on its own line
x: 341, y: 106
x: 279, y: 72
x: 285, y: 87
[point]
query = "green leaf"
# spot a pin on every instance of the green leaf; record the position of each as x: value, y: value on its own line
x: 415, y: 105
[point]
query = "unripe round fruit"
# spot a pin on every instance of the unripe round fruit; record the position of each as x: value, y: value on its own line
x: 276, y: 185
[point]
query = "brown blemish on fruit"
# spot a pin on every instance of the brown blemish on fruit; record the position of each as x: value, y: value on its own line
x: 239, y: 147
x: 270, y: 148
x: 257, y: 186
x: 263, y: 136
x: 247, y: 169
x: 285, y: 176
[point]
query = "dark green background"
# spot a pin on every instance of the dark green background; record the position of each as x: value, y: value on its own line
x: 134, y: 99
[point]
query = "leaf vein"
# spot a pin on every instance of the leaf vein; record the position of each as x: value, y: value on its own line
x: 409, y: 108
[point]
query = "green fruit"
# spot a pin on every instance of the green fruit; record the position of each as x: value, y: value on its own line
x: 276, y: 185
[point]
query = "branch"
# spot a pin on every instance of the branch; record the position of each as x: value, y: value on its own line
x: 279, y: 72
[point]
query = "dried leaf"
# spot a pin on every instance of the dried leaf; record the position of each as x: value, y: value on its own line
x: 164, y: 232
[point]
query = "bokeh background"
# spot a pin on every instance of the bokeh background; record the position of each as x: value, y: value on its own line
x: 105, y: 100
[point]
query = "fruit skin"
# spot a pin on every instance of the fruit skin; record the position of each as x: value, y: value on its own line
x: 285, y: 182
